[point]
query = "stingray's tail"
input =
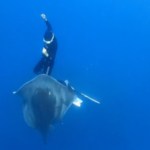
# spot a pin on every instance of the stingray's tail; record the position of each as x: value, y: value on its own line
x: 77, y: 101
x: 90, y: 98
x: 48, y: 69
x: 45, y: 136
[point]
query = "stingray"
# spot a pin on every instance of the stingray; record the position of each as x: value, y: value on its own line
x: 45, y: 102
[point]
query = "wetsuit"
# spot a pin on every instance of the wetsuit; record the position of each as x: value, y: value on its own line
x: 50, y: 44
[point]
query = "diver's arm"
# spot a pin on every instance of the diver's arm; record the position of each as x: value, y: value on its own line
x: 48, y: 25
x: 46, y: 21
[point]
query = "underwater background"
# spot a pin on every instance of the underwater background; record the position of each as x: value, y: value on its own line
x: 103, y: 50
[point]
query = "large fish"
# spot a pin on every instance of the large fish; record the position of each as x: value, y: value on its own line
x: 45, y: 101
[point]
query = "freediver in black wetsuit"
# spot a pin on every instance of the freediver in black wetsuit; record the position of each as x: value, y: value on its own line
x: 45, y: 65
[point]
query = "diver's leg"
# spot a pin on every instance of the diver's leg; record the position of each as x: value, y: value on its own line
x: 48, y: 66
x: 39, y: 67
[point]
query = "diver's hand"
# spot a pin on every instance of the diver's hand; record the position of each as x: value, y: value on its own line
x: 43, y: 16
x: 44, y: 52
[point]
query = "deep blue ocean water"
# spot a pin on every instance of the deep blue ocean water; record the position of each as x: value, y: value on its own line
x: 104, y: 51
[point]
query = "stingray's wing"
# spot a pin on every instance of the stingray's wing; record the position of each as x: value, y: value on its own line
x: 45, y: 101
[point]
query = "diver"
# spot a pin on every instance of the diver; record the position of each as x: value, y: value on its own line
x: 45, y: 65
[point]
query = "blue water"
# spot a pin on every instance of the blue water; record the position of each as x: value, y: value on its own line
x: 104, y: 51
